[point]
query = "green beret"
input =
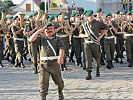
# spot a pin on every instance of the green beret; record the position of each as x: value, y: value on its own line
x: 124, y: 12
x: 85, y: 12
x: 129, y: 13
x: 9, y: 17
x: 34, y: 14
x: 56, y: 15
x: 77, y: 15
x: 51, y: 18
x: 99, y: 10
x: 88, y: 13
x: 15, y: 17
x: 132, y: 11
x: 73, y: 14
x: 48, y: 25
x: 116, y: 12
x: 108, y: 14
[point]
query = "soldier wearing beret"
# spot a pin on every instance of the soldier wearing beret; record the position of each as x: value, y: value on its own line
x: 51, y: 55
x: 109, y: 46
x: 100, y: 18
x: 128, y: 37
x: 18, y: 42
x: 92, y: 37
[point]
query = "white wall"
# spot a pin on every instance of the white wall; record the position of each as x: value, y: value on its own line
x: 22, y: 6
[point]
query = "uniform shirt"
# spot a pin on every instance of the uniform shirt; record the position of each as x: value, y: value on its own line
x: 96, y: 27
x: 77, y: 30
x: 44, y: 48
x: 110, y: 30
x: 62, y: 31
x: 16, y: 28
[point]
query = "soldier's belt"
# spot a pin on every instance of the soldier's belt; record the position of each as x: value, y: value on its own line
x: 128, y: 34
x: 2, y: 35
x: 119, y: 32
x: 89, y: 41
x: 76, y: 36
x: 62, y: 35
x: 49, y: 58
x: 19, y: 39
x: 109, y: 37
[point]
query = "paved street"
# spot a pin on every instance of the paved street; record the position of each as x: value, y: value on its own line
x: 114, y: 84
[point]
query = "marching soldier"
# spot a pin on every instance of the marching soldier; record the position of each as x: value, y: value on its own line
x: 76, y: 42
x: 92, y: 29
x: 128, y: 29
x: 18, y: 42
x: 32, y: 47
x: 119, y: 37
x: 109, y: 46
x: 1, y: 44
x: 100, y: 18
x: 51, y: 51
x: 63, y: 33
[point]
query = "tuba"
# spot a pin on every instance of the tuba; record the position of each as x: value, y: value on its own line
x: 21, y: 19
x: 39, y: 15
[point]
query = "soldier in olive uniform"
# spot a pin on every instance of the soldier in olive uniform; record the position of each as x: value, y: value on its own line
x: 109, y: 45
x: 128, y: 29
x: 51, y: 51
x: 32, y: 47
x: 18, y: 42
x: 76, y: 39
x: 119, y: 37
x: 100, y: 18
x: 1, y: 45
x: 63, y: 33
x: 92, y: 45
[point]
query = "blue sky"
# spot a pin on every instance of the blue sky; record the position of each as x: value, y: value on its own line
x: 87, y: 4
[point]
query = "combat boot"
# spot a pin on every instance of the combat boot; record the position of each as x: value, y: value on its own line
x: 89, y: 77
x: 97, y: 72
x: 108, y: 65
x: 35, y: 71
x: 102, y: 62
x: 130, y: 64
x: 1, y: 64
x: 61, y: 96
x: 43, y: 98
x: 112, y: 64
x: 22, y: 65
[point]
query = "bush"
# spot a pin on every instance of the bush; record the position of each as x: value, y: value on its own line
x: 53, y: 5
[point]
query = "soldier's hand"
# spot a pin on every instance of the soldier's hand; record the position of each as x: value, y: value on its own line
x: 60, y: 60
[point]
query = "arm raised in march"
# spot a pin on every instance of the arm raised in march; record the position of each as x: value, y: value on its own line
x: 35, y: 35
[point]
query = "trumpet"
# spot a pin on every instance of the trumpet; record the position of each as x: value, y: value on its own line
x: 39, y: 15
x: 21, y: 19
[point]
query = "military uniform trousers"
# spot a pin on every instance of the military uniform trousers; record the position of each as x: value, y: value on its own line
x: 109, y: 48
x: 119, y: 45
x: 1, y: 49
x: 45, y: 71
x: 129, y: 48
x: 19, y: 50
x: 92, y: 50
x: 77, y: 48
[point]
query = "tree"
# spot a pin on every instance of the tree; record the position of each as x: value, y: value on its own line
x: 8, y: 3
x: 42, y: 6
x: 53, y: 5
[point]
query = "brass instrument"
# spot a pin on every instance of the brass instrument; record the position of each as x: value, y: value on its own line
x: 21, y: 19
x: 3, y: 17
x: 39, y: 15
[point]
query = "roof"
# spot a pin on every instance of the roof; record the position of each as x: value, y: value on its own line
x: 37, y: 2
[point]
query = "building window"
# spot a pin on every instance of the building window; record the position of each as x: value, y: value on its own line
x: 28, y: 7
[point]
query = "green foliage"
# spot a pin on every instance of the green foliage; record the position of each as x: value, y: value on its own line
x: 53, y: 5
x: 42, y: 6
x: 8, y: 3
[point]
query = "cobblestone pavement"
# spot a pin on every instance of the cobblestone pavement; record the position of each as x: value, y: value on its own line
x: 114, y: 84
